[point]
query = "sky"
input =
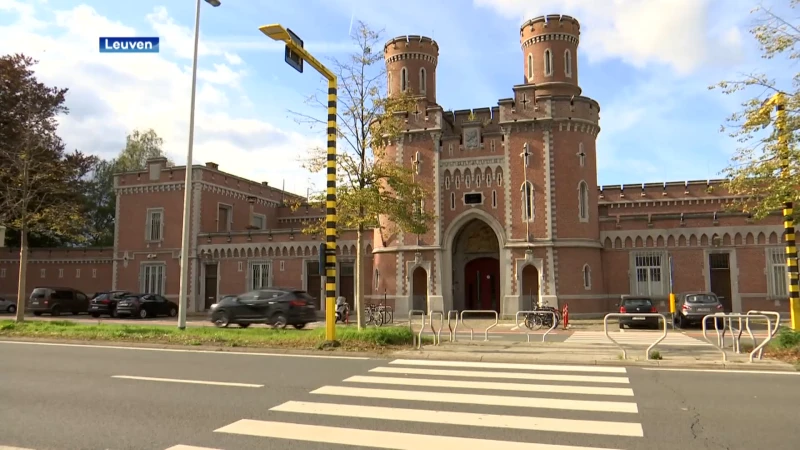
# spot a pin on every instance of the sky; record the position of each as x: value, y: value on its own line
x: 647, y: 62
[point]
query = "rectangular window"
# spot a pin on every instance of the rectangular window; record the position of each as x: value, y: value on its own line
x: 60, y: 273
x: 43, y: 273
x: 154, y: 228
x: 2, y: 273
x: 347, y: 269
x: 494, y: 199
x: 239, y: 266
x: 152, y: 276
x: 452, y: 200
x: 259, y: 275
x: 648, y: 270
x: 77, y: 273
x: 94, y: 273
x: 258, y: 222
x: 224, y: 218
x: 777, y: 273
x: 283, y: 265
x: 492, y: 145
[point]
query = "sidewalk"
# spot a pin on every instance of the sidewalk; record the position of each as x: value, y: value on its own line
x: 563, y: 353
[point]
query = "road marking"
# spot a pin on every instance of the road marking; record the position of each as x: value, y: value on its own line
x: 186, y: 447
x: 489, y: 385
x: 178, y: 350
x: 3, y: 447
x: 177, y: 380
x: 599, y: 427
x: 477, y: 399
x: 505, y: 375
x: 748, y: 372
x: 376, y: 439
x: 633, y: 337
x: 488, y: 365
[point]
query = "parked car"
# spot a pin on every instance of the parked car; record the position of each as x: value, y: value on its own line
x: 631, y: 306
x: 691, y: 307
x: 57, y: 300
x: 146, y: 305
x: 8, y: 305
x: 273, y: 306
x: 105, y: 303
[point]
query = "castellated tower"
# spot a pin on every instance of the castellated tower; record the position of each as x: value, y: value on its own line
x: 411, y: 66
x: 550, y: 54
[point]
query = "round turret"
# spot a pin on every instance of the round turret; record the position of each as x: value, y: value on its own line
x: 550, y: 54
x: 411, y: 66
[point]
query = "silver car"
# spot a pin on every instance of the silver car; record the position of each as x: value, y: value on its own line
x: 691, y: 307
x: 8, y: 305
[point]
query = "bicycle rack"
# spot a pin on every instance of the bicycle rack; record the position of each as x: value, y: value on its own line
x: 384, y: 310
x: 417, y: 336
x: 528, y: 331
x: 480, y: 311
x: 453, y: 330
x: 757, y: 350
x: 772, y: 332
x: 651, y: 347
x: 437, y: 334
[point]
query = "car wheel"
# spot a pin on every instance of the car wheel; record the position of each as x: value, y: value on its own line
x: 173, y: 312
x: 56, y: 311
x: 279, y: 321
x: 95, y: 315
x: 143, y: 313
x: 222, y: 320
x: 37, y: 313
x: 12, y: 309
x: 299, y: 326
x: 243, y: 325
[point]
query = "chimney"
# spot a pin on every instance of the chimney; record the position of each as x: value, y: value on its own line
x: 265, y: 183
x: 154, y: 166
x: 212, y: 165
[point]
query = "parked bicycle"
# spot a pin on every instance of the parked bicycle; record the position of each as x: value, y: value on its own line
x: 537, y: 320
x: 373, y: 315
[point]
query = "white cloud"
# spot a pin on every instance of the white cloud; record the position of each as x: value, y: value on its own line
x: 683, y: 34
x: 111, y: 94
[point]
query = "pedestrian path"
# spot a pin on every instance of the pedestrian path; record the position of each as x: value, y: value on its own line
x: 426, y: 404
x: 634, y: 338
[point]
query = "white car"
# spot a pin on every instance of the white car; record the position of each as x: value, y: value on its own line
x: 9, y: 306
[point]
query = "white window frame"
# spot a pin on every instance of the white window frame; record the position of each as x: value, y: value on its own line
x: 583, y: 201
x: 43, y: 273
x: 149, y: 280
x: 151, y: 232
x: 77, y: 273
x: 586, y: 273
x: 60, y: 273
x: 777, y: 273
x: 458, y: 181
x: 447, y: 182
x: 649, y: 273
x: 229, y: 226
x: 2, y: 273
x: 423, y: 81
x: 240, y: 266
x: 283, y: 265
x: 548, y: 63
x: 530, y: 67
x: 581, y: 155
x: 263, y: 219
x: 403, y: 79
x: 528, y: 195
x: 478, y: 176
x: 94, y: 273
x: 264, y: 266
x: 467, y: 179
x: 500, y: 178
x: 492, y: 145
x: 568, y: 63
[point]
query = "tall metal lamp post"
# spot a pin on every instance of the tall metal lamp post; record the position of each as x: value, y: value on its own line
x: 183, y: 299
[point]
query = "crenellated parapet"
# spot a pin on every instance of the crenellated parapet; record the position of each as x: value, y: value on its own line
x: 681, y: 190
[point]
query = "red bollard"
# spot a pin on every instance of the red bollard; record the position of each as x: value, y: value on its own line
x: 565, y: 315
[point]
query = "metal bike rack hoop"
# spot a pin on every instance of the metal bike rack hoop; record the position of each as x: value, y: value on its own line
x: 480, y: 311
x: 652, y: 346
x: 527, y: 332
x: 453, y: 330
x: 417, y: 336
x: 437, y: 334
x: 747, y: 317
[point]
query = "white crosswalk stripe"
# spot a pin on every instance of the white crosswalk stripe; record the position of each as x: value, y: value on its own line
x: 634, y: 338
x: 586, y: 402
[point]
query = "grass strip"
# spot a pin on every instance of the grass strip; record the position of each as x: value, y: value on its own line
x: 369, y: 339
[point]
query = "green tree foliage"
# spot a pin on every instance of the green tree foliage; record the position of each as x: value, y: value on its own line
x: 40, y: 183
x: 755, y: 170
x: 369, y: 186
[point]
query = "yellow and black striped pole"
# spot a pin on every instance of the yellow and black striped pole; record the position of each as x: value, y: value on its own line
x: 788, y: 214
x: 330, y: 217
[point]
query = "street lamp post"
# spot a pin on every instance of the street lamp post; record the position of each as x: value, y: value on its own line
x: 295, y: 56
x: 183, y: 296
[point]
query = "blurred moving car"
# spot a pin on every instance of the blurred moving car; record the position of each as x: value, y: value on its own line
x: 57, y: 300
x: 631, y: 305
x: 8, y: 305
x: 105, y: 303
x: 143, y: 306
x: 273, y: 306
x: 691, y: 307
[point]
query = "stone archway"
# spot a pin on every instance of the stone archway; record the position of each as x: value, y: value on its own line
x: 529, y: 288
x: 419, y: 289
x: 476, y: 268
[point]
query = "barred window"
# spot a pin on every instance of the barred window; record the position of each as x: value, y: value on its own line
x: 648, y: 273
x: 777, y: 273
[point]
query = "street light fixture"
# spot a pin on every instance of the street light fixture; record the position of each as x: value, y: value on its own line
x: 187, y: 188
x: 295, y: 56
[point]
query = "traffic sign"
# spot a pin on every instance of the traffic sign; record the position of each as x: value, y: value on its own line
x: 293, y: 59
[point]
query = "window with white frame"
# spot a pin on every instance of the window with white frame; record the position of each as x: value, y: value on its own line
x: 467, y: 178
x: 2, y: 273
x: 530, y: 67
x: 60, y: 273
x: 527, y: 201
x: 224, y: 217
x: 403, y: 79
x: 478, y: 176
x: 43, y: 273
x: 581, y: 155
x: 447, y: 182
x: 240, y: 266
x: 450, y: 149
x: 548, y: 63
x: 648, y: 271
x: 587, y: 277
x: 499, y: 178
x: 458, y: 181
x: 777, y: 273
x: 568, y: 63
x: 259, y: 221
x: 153, y: 280
x: 259, y: 275
x: 77, y: 273
x: 283, y: 266
x: 492, y: 145
x: 94, y: 273
x: 583, y: 201
x: 422, y: 80
x: 154, y: 229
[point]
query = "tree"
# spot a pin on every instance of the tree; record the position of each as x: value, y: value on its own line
x: 40, y: 183
x: 755, y: 172
x: 101, y: 198
x: 369, y: 186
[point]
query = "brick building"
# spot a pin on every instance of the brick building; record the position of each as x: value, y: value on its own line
x: 519, y: 214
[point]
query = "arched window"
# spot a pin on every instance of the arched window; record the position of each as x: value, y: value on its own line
x: 458, y: 181
x: 587, y: 277
x: 583, y: 201
x: 447, y: 182
x: 568, y: 63
x: 422, y: 80
x: 548, y: 63
x: 403, y: 79
x: 478, y: 177
x: 530, y: 67
x: 527, y: 201
x: 499, y: 178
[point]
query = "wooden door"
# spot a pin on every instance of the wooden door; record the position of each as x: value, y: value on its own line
x: 720, y: 278
x: 482, y: 278
x: 314, y: 282
x: 210, y: 285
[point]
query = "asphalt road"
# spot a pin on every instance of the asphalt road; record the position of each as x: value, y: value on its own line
x: 82, y: 397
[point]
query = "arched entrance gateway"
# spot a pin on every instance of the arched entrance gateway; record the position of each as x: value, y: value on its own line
x: 477, y: 283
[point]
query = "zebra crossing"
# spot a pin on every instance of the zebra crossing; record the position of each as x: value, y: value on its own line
x: 489, y: 405
x: 634, y: 338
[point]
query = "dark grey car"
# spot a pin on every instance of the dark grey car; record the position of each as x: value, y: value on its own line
x: 633, y: 306
x: 691, y: 307
x: 273, y: 306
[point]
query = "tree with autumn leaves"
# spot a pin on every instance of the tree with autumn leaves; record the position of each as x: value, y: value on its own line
x: 370, y: 187
x: 764, y: 171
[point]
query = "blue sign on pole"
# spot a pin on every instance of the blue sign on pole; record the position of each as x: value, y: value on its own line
x: 293, y: 59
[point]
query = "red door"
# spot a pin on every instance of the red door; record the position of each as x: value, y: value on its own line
x: 482, y: 279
